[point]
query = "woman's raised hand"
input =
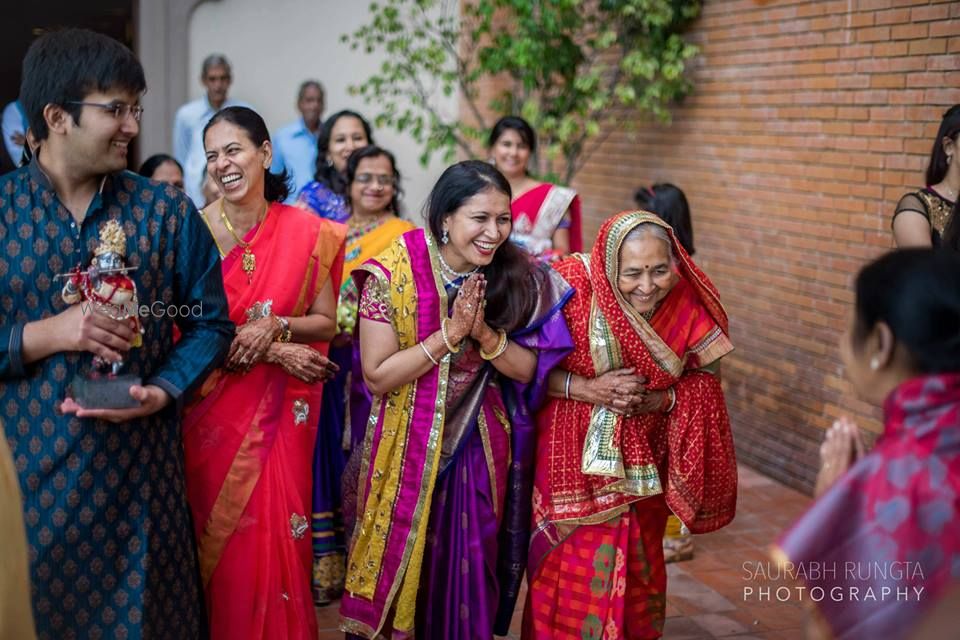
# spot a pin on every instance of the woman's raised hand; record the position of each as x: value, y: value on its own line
x: 465, y: 309
x: 842, y: 446
x: 480, y: 328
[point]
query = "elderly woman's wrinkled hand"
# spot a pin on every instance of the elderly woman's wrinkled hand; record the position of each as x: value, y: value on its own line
x: 842, y: 446
x: 251, y: 343
x: 619, y: 390
x: 303, y: 362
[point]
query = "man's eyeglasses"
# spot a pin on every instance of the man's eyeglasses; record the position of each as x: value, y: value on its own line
x: 382, y: 180
x: 118, y: 109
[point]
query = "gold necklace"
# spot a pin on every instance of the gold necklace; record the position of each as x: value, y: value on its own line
x: 249, y: 260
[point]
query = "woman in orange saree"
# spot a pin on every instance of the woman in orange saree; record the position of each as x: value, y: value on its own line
x: 249, y: 438
x: 636, y: 428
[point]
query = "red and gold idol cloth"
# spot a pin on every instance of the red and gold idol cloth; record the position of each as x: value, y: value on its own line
x: 595, y: 463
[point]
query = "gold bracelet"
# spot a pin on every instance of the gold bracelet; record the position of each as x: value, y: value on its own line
x: 500, y: 348
x: 446, y: 340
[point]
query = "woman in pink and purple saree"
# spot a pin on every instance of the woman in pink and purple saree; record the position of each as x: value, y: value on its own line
x: 887, y: 522
x: 458, y: 329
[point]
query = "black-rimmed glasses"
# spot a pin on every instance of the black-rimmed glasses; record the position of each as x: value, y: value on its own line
x: 118, y: 109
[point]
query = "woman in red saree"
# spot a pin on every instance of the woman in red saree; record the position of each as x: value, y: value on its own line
x: 546, y: 217
x: 887, y: 521
x: 637, y: 428
x: 249, y: 438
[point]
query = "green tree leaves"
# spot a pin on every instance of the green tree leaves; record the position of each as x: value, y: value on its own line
x: 575, y: 69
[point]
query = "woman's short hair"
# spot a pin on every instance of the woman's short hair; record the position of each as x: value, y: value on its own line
x: 670, y: 203
x: 515, y: 123
x: 916, y: 292
x: 276, y: 187
x: 64, y: 67
x: 373, y: 151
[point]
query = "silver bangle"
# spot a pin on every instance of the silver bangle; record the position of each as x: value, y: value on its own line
x: 427, y: 353
x: 566, y: 386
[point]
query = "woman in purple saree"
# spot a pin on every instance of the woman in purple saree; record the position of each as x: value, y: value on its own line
x: 457, y: 331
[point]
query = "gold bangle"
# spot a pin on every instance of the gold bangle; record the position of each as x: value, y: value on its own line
x: 446, y: 340
x: 428, y: 354
x: 285, y: 333
x: 500, y: 348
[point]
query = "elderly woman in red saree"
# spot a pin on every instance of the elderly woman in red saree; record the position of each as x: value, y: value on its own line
x: 458, y: 329
x: 249, y: 438
x: 887, y: 521
x: 546, y: 217
x: 636, y: 428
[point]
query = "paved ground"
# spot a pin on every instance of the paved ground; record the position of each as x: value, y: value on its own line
x: 709, y: 596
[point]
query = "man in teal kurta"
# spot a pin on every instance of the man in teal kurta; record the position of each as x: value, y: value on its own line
x: 110, y: 545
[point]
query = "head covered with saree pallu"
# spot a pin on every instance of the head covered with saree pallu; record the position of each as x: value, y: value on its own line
x: 594, y: 462
x: 446, y: 465
x: 604, y: 481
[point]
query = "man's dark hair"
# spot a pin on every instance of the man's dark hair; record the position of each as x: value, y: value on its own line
x: 66, y: 66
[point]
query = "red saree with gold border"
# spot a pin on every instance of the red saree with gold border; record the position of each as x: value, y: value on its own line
x: 249, y: 443
x: 604, y: 482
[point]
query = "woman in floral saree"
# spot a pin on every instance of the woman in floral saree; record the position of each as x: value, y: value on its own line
x: 888, y: 520
x: 458, y: 329
x: 636, y: 428
x: 373, y: 188
x: 249, y: 438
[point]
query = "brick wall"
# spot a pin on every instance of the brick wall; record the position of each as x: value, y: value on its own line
x: 809, y: 120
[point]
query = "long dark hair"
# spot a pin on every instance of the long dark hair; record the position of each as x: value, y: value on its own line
x: 951, y: 233
x: 949, y: 128
x: 373, y: 151
x: 326, y: 174
x: 151, y: 164
x: 669, y: 202
x: 916, y: 292
x: 276, y: 187
x: 513, y: 277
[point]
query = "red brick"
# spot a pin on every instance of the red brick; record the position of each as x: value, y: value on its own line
x: 909, y: 31
x: 891, y: 49
x: 920, y: 47
x: 947, y: 28
x: 890, y: 16
x: 929, y: 13
x: 887, y: 81
x: 873, y: 34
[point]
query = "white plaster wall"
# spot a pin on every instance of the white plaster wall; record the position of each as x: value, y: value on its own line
x: 273, y: 46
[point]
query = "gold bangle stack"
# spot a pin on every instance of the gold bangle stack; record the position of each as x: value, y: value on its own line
x: 498, y: 351
x: 285, y: 334
x: 446, y: 340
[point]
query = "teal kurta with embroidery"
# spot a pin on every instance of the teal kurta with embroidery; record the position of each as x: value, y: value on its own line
x: 111, y: 548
